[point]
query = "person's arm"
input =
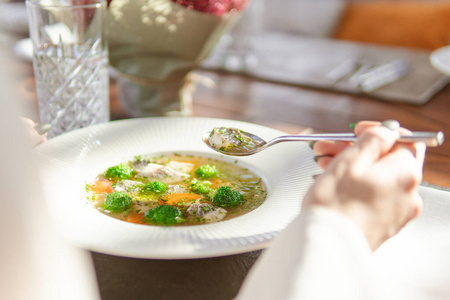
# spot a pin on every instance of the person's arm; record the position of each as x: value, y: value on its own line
x: 367, y: 193
x: 320, y: 255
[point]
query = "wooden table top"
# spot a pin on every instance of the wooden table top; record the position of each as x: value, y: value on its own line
x: 293, y: 109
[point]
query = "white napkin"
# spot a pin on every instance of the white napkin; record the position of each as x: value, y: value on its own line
x: 35, y: 262
x: 417, y: 260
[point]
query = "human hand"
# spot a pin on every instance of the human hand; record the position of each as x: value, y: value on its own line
x: 373, y: 181
x: 326, y: 150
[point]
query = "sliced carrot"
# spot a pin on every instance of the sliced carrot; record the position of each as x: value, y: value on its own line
x: 175, y: 198
x: 135, y: 218
x: 101, y: 186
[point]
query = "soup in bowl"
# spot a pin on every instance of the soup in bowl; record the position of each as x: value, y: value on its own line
x: 176, y: 190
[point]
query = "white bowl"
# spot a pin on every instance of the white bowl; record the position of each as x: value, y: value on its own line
x: 73, y: 159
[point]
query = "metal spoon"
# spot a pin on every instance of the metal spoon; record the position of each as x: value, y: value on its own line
x: 431, y: 139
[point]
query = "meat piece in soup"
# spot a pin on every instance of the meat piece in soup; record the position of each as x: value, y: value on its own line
x: 176, y: 190
x: 158, y: 172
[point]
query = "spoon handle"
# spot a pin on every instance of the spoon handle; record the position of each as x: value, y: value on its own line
x: 431, y: 139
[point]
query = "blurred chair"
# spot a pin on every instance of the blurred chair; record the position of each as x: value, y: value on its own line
x: 415, y: 24
x: 423, y: 24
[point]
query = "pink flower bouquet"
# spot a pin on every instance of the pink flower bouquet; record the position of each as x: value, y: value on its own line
x: 155, y: 44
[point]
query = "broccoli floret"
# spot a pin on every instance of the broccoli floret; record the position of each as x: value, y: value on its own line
x: 226, y: 196
x: 163, y: 215
x: 117, y: 202
x: 200, y: 187
x: 157, y: 187
x: 206, y: 171
x: 121, y: 171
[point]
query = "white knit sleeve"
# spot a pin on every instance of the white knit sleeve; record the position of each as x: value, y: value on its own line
x: 321, y: 255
